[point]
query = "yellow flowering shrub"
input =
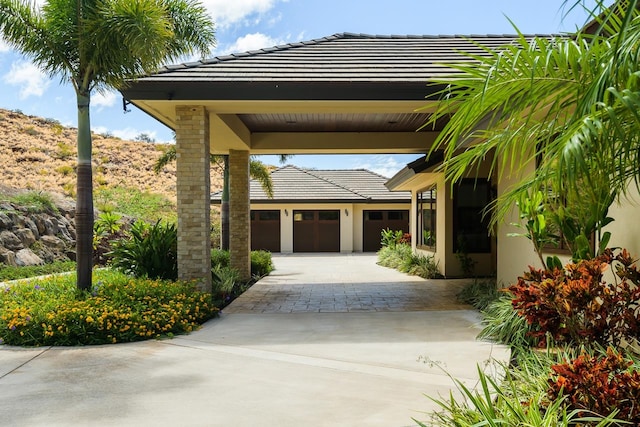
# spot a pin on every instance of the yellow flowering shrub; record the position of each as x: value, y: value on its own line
x: 119, y: 308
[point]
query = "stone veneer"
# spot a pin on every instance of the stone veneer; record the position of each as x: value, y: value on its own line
x: 193, y: 191
x: 239, y: 210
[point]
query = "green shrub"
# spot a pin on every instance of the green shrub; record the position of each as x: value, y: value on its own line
x: 504, y: 325
x: 8, y: 272
x: 480, y: 293
x: 219, y: 258
x: 150, y: 251
x: 261, y: 263
x: 420, y: 265
x: 224, y: 282
x: 394, y: 256
x: 52, y: 311
x: 401, y: 257
x: 36, y: 201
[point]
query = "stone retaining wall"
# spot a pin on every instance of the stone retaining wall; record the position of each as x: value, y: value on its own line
x: 31, y: 238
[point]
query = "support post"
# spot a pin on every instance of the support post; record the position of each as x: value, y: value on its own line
x: 239, y: 210
x: 193, y: 191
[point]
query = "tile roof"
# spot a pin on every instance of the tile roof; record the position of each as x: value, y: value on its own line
x: 341, y: 58
x: 293, y: 184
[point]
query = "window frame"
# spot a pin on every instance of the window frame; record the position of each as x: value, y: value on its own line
x: 424, y: 204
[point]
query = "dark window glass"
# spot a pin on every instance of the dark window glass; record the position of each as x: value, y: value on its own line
x: 470, y: 226
x: 329, y: 215
x: 396, y: 215
x: 374, y: 215
x: 269, y: 215
x: 252, y: 215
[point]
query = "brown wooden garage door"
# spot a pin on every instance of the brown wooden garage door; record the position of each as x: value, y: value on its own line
x: 265, y: 230
x: 316, y: 231
x: 376, y: 221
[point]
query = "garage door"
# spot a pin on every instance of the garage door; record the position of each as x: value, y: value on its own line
x: 316, y: 231
x: 376, y: 221
x: 265, y: 230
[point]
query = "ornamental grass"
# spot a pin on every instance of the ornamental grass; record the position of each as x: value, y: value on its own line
x: 119, y: 308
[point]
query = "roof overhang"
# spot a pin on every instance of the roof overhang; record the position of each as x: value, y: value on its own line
x: 405, y: 179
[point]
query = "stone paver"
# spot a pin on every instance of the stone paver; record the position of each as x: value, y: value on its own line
x: 344, y: 283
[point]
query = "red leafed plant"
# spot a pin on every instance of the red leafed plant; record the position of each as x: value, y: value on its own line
x: 577, y: 305
x: 598, y: 384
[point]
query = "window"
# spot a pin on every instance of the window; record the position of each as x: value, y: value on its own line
x: 373, y: 215
x: 427, y: 217
x: 396, y: 215
x: 470, y: 226
x: 329, y: 215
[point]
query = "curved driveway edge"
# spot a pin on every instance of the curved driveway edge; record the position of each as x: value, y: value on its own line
x: 247, y: 368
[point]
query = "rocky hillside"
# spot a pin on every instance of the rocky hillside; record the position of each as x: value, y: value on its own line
x: 40, y: 154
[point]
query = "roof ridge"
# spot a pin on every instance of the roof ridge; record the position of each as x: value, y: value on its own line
x: 336, y: 184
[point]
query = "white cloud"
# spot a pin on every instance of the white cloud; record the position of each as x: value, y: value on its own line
x: 386, y: 166
x: 31, y: 80
x: 251, y: 42
x: 106, y: 99
x: 226, y: 13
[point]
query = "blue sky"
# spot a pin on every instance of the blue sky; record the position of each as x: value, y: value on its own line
x: 252, y: 24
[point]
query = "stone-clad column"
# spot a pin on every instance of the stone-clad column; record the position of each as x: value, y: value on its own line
x: 239, y: 209
x: 194, y: 199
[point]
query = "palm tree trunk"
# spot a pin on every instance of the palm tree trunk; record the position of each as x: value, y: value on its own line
x: 84, y: 196
x: 224, y: 206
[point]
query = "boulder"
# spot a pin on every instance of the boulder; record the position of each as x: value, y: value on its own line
x: 26, y: 236
x: 10, y: 240
x: 39, y: 222
x: 51, y: 226
x: 25, y: 257
x: 5, y: 221
x: 16, y: 219
x: 28, y: 222
x: 52, y: 242
x: 7, y: 257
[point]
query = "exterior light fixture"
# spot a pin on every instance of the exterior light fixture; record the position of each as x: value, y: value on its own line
x: 286, y: 212
x: 346, y: 212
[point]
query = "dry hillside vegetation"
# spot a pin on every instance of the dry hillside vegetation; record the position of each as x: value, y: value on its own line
x: 40, y: 154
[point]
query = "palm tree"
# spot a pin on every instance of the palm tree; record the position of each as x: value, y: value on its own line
x: 97, y: 45
x: 257, y: 170
x: 570, y: 104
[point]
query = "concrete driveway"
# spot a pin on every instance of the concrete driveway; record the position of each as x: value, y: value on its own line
x: 326, y: 340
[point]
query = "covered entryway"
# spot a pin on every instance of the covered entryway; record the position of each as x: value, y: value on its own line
x: 265, y: 230
x: 293, y: 99
x: 374, y: 221
x: 316, y: 231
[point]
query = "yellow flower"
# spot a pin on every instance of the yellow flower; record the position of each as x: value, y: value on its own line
x: 89, y: 319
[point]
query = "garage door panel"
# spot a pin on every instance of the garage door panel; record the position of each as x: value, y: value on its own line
x: 265, y: 230
x: 316, y: 231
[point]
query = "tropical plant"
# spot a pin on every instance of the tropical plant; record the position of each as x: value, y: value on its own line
x: 567, y: 104
x: 96, y: 46
x: 149, y: 251
x: 598, y: 384
x: 578, y: 306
